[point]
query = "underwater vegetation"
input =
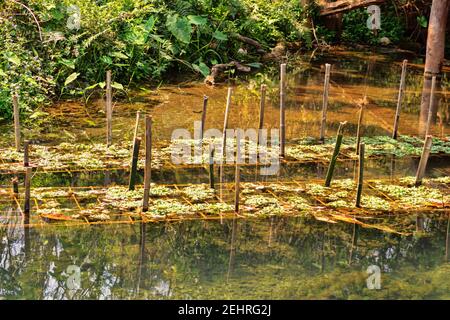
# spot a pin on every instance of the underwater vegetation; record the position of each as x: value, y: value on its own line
x: 98, y: 156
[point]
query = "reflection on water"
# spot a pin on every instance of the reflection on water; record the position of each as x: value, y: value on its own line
x: 276, y: 258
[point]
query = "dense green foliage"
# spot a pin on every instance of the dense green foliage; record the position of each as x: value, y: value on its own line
x: 139, y: 40
x: 356, y: 31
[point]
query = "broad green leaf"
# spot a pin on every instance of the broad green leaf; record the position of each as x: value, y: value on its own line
x: 68, y: 63
x: 117, y: 86
x: 423, y: 22
x: 91, y: 87
x: 220, y: 36
x: 197, y: 20
x: 71, y: 78
x: 106, y: 59
x: 150, y: 24
x: 254, y: 65
x: 102, y: 84
x: 14, y: 59
x: 179, y: 27
x: 202, y: 68
x: 118, y: 55
x: 38, y: 114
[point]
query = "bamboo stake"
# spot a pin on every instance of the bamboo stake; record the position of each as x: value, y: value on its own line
x: 326, y: 88
x: 262, y: 104
x: 225, y: 122
x: 335, y: 155
x: 15, y: 183
x: 430, y: 108
x: 205, y: 106
x: 423, y: 160
x: 26, y: 153
x: 27, y: 191
x: 148, y: 162
x: 358, y: 132
x: 282, y: 109
x: 360, y: 175
x: 211, y: 167
x: 136, y: 125
x: 134, y: 164
x: 237, y: 187
x: 15, y: 100
x: 108, y: 109
x: 401, y: 92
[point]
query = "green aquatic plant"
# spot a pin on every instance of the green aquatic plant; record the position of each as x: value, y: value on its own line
x: 199, y: 192
x: 413, y: 196
x: 160, y: 207
x: 258, y: 201
x: 339, y: 204
x: 299, y: 203
x: 212, y: 208
x: 375, y: 203
x: 161, y: 191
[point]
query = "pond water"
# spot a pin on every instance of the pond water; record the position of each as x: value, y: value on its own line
x: 273, y: 258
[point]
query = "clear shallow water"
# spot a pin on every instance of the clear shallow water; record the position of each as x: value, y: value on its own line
x: 274, y: 258
x: 355, y: 75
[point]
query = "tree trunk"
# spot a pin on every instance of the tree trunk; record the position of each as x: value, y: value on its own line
x: 434, y: 59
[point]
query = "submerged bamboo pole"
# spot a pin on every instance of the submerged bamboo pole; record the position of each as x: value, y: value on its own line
x: 211, y: 167
x: 360, y: 175
x: 262, y: 104
x: 26, y: 153
x: 335, y: 155
x: 108, y: 109
x: 134, y: 164
x: 447, y: 242
x: 205, y: 106
x: 430, y: 110
x: 282, y: 109
x: 27, y: 206
x: 326, y: 88
x: 359, y: 130
x: 15, y: 184
x: 423, y: 160
x: 401, y: 92
x: 237, y: 187
x: 15, y: 100
x: 148, y: 162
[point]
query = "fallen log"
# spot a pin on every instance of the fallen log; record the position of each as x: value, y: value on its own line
x: 218, y: 70
x: 329, y: 8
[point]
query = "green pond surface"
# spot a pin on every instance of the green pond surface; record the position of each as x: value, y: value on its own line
x: 273, y: 258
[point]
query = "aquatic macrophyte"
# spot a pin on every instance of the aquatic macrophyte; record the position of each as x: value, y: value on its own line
x: 375, y: 203
x: 199, y: 192
x: 162, y: 207
x: 258, y: 201
x: 298, y: 203
x: 212, y: 208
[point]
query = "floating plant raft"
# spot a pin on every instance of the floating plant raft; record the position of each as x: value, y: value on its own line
x: 68, y: 156
x: 117, y: 204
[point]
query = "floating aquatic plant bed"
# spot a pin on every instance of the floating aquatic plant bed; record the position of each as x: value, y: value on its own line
x: 177, y: 202
x: 74, y: 157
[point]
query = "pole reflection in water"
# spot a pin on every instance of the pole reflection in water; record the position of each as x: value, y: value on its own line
x: 354, y: 244
x: 232, y: 248
x: 447, y: 245
x: 142, y: 258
